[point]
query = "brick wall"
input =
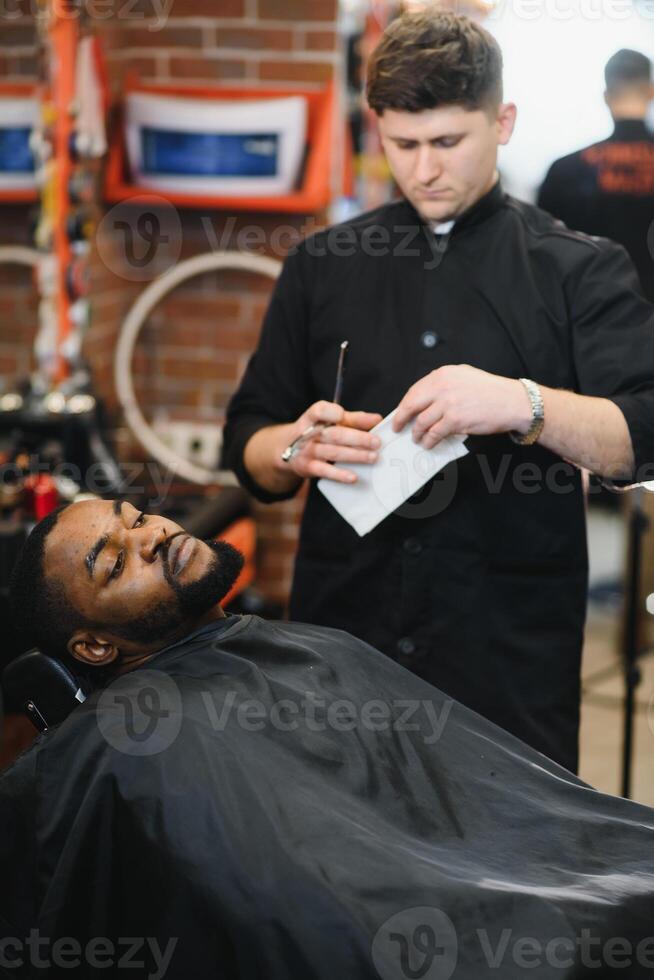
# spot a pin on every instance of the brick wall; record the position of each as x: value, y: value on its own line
x: 195, y: 347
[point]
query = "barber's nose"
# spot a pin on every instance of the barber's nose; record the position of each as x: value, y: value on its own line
x: 151, y: 540
x: 428, y: 167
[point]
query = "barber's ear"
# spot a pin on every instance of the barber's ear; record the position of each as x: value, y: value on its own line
x: 92, y: 650
x: 506, y: 120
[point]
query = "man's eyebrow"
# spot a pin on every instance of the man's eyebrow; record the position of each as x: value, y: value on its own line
x: 92, y: 556
x: 432, y: 139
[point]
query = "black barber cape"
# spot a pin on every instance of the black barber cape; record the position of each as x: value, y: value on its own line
x: 608, y: 189
x: 267, y: 801
x: 478, y: 584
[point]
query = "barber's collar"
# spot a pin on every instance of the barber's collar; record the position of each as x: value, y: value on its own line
x: 479, y: 212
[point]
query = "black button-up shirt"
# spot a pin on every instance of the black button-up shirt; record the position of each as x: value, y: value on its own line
x: 478, y: 583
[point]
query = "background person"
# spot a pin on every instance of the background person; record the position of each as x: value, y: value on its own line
x: 608, y: 189
x: 448, y: 297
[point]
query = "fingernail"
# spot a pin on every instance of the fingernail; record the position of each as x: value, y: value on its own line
x: 376, y: 442
x: 372, y: 457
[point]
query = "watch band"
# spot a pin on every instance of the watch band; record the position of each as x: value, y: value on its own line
x: 537, y: 415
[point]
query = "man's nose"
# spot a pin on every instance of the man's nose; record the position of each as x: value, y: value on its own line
x: 151, y: 539
x: 428, y: 165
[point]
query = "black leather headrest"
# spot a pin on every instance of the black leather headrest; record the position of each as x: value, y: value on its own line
x: 42, y: 687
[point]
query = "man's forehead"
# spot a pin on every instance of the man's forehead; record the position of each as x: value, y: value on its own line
x: 77, y: 528
x: 430, y: 123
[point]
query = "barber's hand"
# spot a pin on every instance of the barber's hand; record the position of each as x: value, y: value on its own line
x: 462, y: 400
x: 345, y: 440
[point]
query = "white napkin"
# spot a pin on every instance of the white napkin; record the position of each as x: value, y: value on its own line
x: 402, y: 469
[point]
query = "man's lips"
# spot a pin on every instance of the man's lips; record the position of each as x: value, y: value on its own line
x: 180, y: 552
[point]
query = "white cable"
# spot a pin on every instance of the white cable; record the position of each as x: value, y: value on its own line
x: 19, y: 255
x: 137, y: 316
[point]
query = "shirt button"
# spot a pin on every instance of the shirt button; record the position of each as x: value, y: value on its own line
x: 429, y: 339
x: 406, y: 646
x: 413, y: 546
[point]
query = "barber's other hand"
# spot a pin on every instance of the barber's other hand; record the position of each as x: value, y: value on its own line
x: 346, y: 439
x: 458, y: 399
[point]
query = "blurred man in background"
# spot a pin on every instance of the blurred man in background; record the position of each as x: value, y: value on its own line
x: 608, y: 189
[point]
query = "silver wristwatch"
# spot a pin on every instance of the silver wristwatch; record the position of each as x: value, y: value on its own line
x: 537, y: 415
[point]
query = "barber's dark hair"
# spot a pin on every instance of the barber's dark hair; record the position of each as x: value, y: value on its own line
x: 434, y: 58
x: 627, y: 68
x: 42, y: 614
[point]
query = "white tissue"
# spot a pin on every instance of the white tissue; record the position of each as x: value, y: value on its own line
x: 402, y: 469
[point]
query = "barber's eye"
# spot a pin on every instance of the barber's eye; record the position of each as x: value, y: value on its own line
x: 140, y: 520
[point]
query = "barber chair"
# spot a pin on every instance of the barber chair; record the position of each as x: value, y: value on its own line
x: 42, y: 688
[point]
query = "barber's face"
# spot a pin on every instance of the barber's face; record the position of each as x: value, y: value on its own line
x: 445, y: 159
x: 143, y: 578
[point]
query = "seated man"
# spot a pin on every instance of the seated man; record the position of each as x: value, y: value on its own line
x: 248, y: 799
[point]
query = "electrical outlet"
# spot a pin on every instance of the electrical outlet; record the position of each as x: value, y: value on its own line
x: 198, y: 442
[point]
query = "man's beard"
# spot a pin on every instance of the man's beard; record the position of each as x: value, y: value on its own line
x: 191, y: 600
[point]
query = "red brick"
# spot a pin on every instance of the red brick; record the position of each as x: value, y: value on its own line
x: 320, y: 41
x: 208, y: 369
x: 238, y: 338
x: 25, y: 65
x: 209, y: 68
x: 297, y: 9
x: 295, y: 71
x: 233, y: 281
x: 167, y: 37
x: 141, y: 67
x: 254, y: 37
x: 204, y: 8
x: 209, y: 308
x: 17, y: 35
x: 8, y: 365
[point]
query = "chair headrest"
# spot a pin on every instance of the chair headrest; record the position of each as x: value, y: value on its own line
x: 42, y: 687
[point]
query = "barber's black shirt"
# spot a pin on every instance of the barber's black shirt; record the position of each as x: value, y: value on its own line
x: 608, y: 189
x: 479, y: 583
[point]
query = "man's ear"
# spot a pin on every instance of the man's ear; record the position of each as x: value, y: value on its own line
x: 506, y: 117
x: 92, y: 650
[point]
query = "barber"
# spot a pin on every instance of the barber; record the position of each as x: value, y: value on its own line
x: 448, y: 298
